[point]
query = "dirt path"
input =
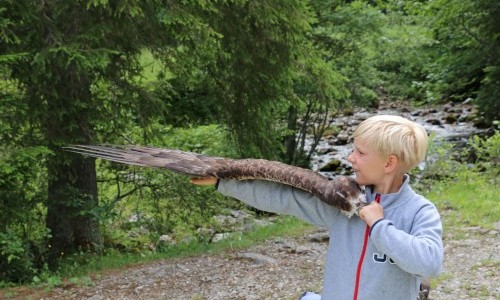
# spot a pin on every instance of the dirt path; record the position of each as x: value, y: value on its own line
x: 278, y: 269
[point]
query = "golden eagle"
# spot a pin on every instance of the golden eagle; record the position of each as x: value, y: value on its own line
x: 342, y: 192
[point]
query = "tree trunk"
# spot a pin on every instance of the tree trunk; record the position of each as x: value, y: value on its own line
x: 72, y: 196
x: 72, y: 188
x: 290, y: 139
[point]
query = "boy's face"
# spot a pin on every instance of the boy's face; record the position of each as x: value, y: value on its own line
x: 368, y: 165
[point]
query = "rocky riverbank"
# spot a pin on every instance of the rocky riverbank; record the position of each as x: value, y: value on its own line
x: 452, y: 122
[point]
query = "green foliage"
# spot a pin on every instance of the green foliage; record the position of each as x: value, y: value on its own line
x: 489, y: 93
x: 47, y: 278
x: 160, y: 202
x: 400, y: 57
x: 74, y: 74
x: 466, y: 195
x: 251, y: 74
x: 64, y: 49
x: 440, y: 163
x: 210, y: 139
x: 466, y: 57
x: 445, y: 161
x: 487, y: 153
x: 345, y: 32
x: 23, y: 236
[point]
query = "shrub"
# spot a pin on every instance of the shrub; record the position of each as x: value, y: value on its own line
x: 23, y: 234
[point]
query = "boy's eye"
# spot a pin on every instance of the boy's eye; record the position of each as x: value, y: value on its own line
x: 358, y: 151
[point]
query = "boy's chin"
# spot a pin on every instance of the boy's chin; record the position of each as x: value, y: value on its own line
x: 360, y: 180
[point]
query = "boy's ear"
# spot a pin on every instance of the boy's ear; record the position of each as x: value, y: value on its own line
x: 391, y: 164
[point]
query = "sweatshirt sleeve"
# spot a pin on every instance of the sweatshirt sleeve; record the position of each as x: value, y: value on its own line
x: 419, y: 252
x: 279, y: 198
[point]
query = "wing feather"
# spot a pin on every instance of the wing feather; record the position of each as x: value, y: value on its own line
x: 342, y: 192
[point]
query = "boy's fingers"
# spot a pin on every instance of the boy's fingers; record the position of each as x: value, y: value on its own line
x: 204, y: 181
x: 371, y: 213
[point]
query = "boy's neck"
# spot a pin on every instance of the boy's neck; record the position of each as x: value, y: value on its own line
x: 391, y: 184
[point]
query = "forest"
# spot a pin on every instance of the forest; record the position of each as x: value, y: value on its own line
x: 231, y: 78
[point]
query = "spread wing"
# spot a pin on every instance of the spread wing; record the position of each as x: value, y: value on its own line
x: 341, y: 192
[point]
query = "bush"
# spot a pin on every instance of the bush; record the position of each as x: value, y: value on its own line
x: 23, y: 234
x: 445, y: 162
x: 141, y: 204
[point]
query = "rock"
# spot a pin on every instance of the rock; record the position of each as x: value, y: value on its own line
x: 133, y: 218
x: 433, y: 121
x: 205, y: 232
x: 497, y: 226
x: 261, y: 223
x: 320, y: 237
x: 257, y: 258
x: 493, y: 232
x: 451, y: 118
x: 342, y: 138
x: 324, y: 151
x: 354, y: 122
x: 168, y: 239
x: 227, y: 223
x: 417, y: 113
x: 448, y: 106
x: 254, y: 224
x: 221, y: 236
x: 331, y: 166
x: 467, y: 101
x: 240, y: 214
x: 138, y: 232
x: 480, y: 122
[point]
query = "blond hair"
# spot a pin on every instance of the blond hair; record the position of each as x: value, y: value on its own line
x: 394, y: 135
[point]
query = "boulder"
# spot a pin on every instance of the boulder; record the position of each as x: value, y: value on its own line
x: 332, y: 166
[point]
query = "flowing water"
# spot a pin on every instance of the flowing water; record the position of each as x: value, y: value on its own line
x: 446, y: 123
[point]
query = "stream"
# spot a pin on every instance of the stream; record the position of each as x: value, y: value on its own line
x: 453, y: 123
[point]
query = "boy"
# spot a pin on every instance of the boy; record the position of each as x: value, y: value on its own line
x: 397, y: 239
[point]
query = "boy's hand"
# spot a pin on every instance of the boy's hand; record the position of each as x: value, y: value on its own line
x: 371, y: 213
x: 204, y: 181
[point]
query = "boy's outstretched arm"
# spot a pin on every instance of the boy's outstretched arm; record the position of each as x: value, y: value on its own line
x: 274, y: 197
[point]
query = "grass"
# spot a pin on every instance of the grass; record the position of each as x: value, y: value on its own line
x: 470, y: 199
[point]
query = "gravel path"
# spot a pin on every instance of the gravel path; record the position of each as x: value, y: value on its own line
x: 278, y: 269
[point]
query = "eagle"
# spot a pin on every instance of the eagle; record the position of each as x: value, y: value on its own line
x: 342, y: 192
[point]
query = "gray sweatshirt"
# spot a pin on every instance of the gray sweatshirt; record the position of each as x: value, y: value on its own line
x: 399, y: 250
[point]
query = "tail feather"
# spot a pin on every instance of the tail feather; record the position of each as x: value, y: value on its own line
x: 188, y: 163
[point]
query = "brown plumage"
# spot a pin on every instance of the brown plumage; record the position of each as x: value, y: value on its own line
x: 342, y: 192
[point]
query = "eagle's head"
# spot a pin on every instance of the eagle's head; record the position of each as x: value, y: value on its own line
x: 344, y: 192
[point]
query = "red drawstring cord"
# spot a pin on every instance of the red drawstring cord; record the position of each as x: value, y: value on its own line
x: 362, y: 257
